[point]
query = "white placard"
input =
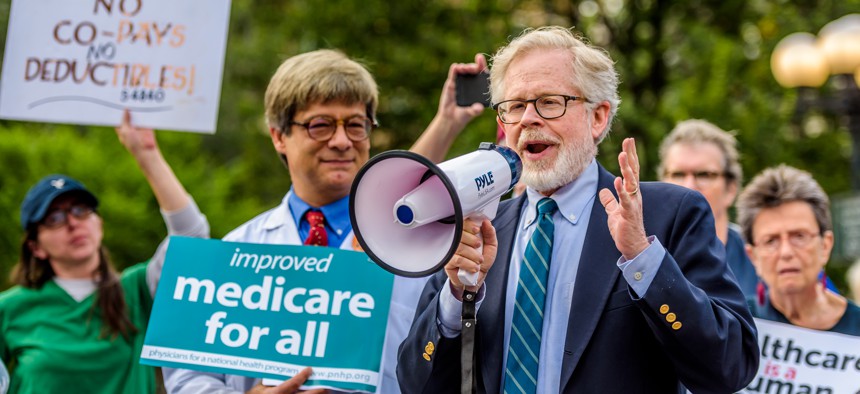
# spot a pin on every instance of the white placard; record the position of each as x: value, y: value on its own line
x: 800, y: 360
x: 83, y: 61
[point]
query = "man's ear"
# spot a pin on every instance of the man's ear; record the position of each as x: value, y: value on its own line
x: 279, y: 143
x: 277, y: 138
x: 731, y: 193
x: 600, y: 119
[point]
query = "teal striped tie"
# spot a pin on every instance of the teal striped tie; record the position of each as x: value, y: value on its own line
x: 527, y: 325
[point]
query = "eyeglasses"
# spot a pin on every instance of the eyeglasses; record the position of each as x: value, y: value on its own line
x: 797, y: 239
x: 548, y: 107
x: 60, y: 217
x: 702, y: 178
x: 322, y: 128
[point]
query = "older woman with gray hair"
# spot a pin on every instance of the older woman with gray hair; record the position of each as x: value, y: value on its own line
x: 785, y: 217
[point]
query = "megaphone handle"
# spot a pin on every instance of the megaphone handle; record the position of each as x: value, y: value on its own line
x: 471, y: 278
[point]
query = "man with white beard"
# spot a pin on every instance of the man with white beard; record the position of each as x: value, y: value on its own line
x: 605, y: 284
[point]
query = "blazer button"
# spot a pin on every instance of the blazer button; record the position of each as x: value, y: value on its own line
x: 664, y: 309
x: 676, y: 325
x: 429, y: 349
x: 426, y: 356
x: 671, y: 317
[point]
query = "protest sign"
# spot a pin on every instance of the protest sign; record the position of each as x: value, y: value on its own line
x: 268, y: 311
x: 84, y: 61
x: 799, y: 360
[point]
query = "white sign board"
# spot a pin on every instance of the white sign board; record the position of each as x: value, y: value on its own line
x: 84, y: 61
x: 800, y: 360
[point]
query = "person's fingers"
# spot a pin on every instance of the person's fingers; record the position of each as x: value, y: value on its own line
x: 481, y: 61
x: 452, y: 71
x: 491, y: 243
x: 630, y: 180
x: 480, y: 65
x: 458, y: 263
x: 471, y: 256
x: 488, y: 233
x: 292, y: 385
x: 607, y: 200
x: 624, y: 196
x: 476, y: 109
x: 467, y: 256
x: 471, y: 236
x: 124, y: 122
x: 634, y: 158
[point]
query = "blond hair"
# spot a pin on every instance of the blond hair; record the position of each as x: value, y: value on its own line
x: 591, y: 71
x: 321, y: 76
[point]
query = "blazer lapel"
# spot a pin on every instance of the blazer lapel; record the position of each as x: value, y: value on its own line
x: 596, y: 276
x: 491, y: 317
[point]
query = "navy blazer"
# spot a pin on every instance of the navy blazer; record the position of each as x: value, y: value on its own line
x: 617, y: 342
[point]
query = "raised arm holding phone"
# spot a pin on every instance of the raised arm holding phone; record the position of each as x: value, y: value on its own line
x: 451, y: 118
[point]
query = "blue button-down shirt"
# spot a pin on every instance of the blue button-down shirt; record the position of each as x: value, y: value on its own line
x: 336, y: 214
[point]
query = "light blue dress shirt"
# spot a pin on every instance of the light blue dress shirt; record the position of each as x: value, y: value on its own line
x: 575, y: 203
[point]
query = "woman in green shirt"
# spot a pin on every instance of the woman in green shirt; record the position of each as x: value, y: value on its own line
x: 73, y: 324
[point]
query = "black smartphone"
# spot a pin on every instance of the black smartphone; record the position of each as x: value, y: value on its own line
x: 473, y: 88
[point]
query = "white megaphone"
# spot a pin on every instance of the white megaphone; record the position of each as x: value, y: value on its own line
x: 407, y: 213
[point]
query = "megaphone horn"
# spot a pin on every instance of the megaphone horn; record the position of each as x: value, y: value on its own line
x: 407, y: 213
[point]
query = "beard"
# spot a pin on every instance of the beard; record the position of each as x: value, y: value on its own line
x: 551, y: 174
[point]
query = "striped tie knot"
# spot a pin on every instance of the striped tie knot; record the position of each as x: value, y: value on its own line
x: 546, y: 206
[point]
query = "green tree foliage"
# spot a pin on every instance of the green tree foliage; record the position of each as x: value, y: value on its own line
x: 698, y: 59
x: 133, y: 226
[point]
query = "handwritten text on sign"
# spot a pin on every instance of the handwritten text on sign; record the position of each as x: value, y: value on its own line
x: 83, y: 61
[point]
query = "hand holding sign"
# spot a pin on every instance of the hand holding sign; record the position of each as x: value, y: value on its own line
x: 246, y: 310
x: 135, y: 139
x: 289, y: 386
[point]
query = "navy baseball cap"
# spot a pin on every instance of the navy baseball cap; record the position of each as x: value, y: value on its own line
x: 43, y: 193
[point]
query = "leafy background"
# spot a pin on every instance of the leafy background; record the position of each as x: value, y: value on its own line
x: 696, y: 59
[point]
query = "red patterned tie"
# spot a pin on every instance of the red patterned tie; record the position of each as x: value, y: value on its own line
x: 317, y: 235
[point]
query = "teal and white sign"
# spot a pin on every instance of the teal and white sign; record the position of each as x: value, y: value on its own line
x: 270, y: 310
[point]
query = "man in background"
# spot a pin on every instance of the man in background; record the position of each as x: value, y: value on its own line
x: 320, y: 111
x: 701, y: 156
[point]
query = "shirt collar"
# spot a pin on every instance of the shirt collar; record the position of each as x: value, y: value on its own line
x: 573, y: 199
x: 336, y: 213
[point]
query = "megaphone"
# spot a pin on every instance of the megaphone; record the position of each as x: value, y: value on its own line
x: 407, y: 213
